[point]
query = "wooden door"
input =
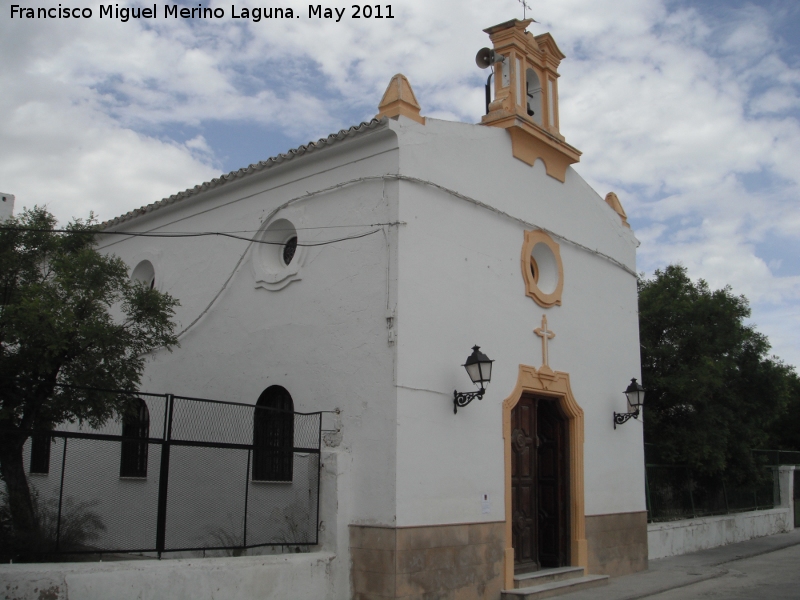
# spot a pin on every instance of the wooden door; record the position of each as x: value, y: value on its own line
x: 538, y: 485
x: 523, y: 486
x: 551, y: 485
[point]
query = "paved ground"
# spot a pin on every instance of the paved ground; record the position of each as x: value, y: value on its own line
x: 766, y: 568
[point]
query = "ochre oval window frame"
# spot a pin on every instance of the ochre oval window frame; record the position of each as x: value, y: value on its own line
x: 532, y: 238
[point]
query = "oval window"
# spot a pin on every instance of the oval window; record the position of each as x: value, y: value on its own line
x: 542, y: 269
x: 289, y: 248
x: 547, y: 273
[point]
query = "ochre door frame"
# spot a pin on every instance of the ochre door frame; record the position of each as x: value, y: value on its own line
x: 549, y: 384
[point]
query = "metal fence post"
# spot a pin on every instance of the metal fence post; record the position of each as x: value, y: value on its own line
x: 319, y: 476
x: 725, y: 495
x: 776, y: 486
x: 163, y: 479
x: 246, y: 494
x: 61, y: 495
x: 691, y: 496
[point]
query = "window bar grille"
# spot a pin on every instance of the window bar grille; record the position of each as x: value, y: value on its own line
x: 163, y: 479
x: 61, y: 494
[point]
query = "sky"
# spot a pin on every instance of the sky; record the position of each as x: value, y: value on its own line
x: 688, y: 110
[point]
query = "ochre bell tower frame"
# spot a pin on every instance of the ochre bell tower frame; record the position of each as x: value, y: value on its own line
x: 527, y: 82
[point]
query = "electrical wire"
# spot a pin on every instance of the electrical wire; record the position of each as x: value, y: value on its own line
x: 348, y: 183
x: 398, y: 177
x: 497, y: 211
x: 194, y: 234
x: 267, y: 219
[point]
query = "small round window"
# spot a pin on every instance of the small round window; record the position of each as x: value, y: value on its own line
x: 289, y: 248
x: 145, y: 273
x: 279, y: 257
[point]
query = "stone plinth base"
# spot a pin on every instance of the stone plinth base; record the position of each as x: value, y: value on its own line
x: 447, y: 562
x: 617, y: 543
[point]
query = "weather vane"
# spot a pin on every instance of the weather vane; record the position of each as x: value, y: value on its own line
x: 524, y: 8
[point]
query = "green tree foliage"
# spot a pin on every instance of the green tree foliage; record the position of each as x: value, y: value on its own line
x: 713, y: 392
x: 70, y: 317
x: 785, y: 433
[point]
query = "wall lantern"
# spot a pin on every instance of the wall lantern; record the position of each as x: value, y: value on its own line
x: 635, y: 396
x: 479, y: 369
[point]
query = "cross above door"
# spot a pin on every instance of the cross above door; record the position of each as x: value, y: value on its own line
x: 546, y: 335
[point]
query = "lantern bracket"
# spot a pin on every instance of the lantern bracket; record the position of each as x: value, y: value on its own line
x: 463, y: 398
x: 621, y: 418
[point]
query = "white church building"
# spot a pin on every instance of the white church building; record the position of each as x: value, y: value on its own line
x: 383, y: 255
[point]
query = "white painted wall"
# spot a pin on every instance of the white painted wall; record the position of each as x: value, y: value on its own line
x: 323, y: 337
x: 243, y: 578
x: 460, y: 284
x: 6, y: 205
x: 681, y: 537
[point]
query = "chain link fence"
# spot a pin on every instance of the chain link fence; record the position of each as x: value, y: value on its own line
x: 174, y: 474
x: 673, y: 492
x: 778, y: 457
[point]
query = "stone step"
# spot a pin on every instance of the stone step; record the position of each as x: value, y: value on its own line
x: 547, y: 576
x: 555, y: 588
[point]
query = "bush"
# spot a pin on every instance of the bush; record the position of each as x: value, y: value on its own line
x: 80, y: 525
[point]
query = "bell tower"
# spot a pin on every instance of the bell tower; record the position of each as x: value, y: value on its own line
x: 526, y: 96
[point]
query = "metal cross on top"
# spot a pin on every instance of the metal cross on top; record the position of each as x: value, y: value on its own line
x: 524, y: 8
x: 544, y: 333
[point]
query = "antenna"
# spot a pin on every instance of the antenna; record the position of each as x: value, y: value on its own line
x: 524, y: 8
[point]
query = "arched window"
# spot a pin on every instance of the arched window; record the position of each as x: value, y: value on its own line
x: 145, y: 274
x: 533, y: 90
x: 135, y: 431
x: 273, y: 435
x: 40, y: 453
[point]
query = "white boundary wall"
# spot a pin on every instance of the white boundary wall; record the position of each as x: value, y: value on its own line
x: 307, y: 576
x: 682, y: 537
x: 690, y: 535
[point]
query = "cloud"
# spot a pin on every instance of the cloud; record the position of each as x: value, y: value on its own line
x: 75, y: 161
x: 690, y: 115
x: 690, y: 120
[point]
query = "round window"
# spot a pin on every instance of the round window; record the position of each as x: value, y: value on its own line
x: 279, y: 257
